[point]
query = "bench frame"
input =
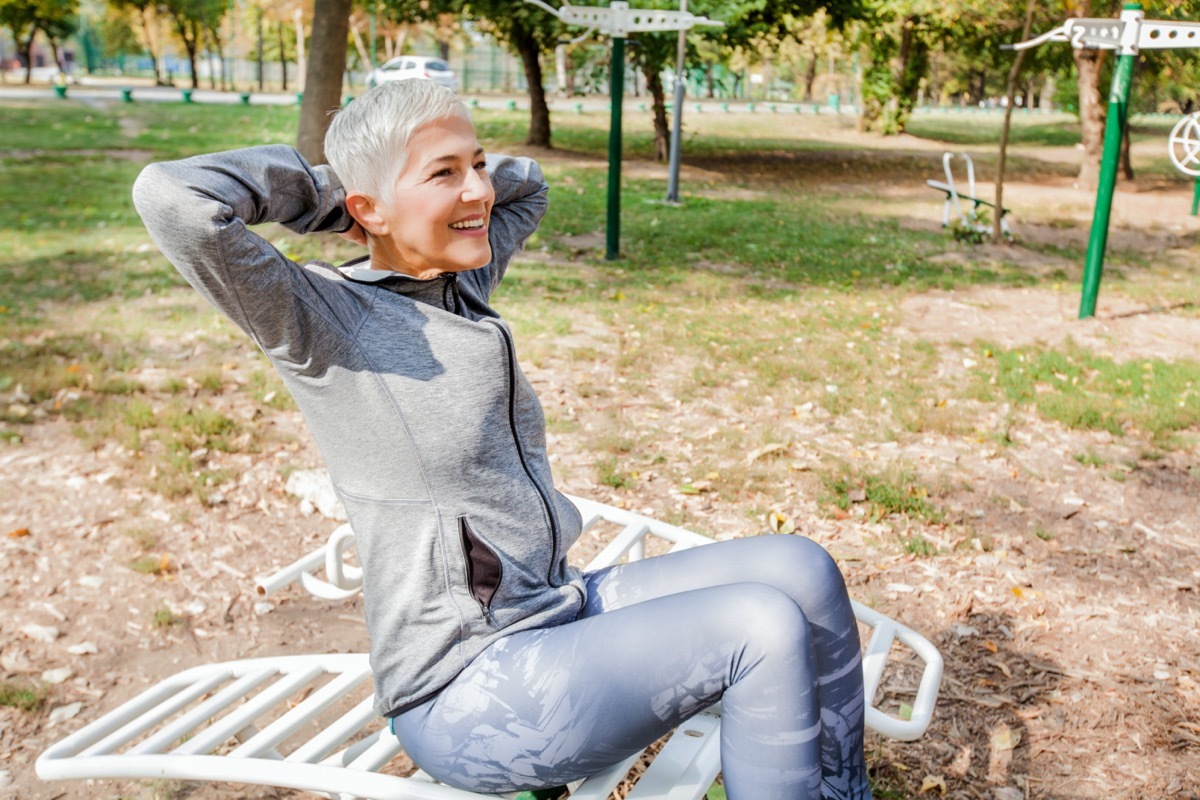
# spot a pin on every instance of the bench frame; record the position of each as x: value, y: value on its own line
x: 969, y: 218
x: 148, y: 737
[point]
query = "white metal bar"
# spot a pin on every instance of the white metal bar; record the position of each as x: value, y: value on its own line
x: 231, y: 723
x: 307, y: 711
x: 337, y: 781
x: 619, y: 546
x: 213, y: 705
x: 277, y: 580
x: 687, y: 764
x: 383, y: 748
x: 342, y: 729
x: 134, y: 727
x: 601, y: 785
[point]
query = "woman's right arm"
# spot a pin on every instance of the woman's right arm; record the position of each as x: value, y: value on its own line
x: 198, y: 210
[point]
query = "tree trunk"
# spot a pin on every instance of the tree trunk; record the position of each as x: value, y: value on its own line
x: 1126, y: 158
x: 1011, y: 89
x: 363, y: 55
x: 148, y: 32
x: 810, y: 77
x: 212, y: 72
x: 323, y: 87
x: 1091, y: 114
x: 539, y: 113
x: 27, y: 53
x: 301, y: 60
x: 282, y: 52
x: 662, y: 131
x: 710, y: 82
x: 258, y: 31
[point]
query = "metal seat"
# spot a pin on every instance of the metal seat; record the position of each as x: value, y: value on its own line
x: 307, y: 722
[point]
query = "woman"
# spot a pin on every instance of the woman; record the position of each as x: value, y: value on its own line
x: 501, y: 667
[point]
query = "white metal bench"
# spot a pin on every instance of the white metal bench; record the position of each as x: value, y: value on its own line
x: 953, y: 205
x: 307, y: 722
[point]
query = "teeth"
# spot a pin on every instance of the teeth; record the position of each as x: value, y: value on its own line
x: 470, y: 223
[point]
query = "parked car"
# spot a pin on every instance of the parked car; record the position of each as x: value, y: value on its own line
x: 406, y: 67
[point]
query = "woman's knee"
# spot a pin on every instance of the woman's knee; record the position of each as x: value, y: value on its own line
x: 765, y: 618
x: 802, y: 565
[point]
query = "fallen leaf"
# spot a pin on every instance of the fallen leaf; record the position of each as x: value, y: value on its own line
x: 18, y: 533
x: 765, y: 450
x: 991, y: 646
x: 933, y: 783
x: 1005, y: 738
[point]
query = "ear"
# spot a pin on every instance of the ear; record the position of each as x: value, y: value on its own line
x: 365, y: 211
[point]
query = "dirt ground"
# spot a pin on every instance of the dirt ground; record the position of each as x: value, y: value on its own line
x: 1068, y: 627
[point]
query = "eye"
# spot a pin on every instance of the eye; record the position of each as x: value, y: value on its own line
x: 441, y: 173
x: 481, y: 164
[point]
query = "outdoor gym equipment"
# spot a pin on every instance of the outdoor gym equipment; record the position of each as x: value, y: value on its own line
x: 969, y: 218
x: 618, y: 21
x: 1184, y: 149
x: 307, y: 722
x: 1128, y: 35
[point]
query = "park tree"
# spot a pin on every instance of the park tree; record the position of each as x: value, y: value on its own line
x: 323, y: 78
x: 147, y: 13
x: 530, y: 32
x: 192, y: 20
x: 25, y: 18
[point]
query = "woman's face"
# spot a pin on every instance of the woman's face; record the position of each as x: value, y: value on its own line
x: 438, y: 217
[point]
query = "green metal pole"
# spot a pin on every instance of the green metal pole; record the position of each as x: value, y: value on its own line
x: 1196, y: 198
x: 1118, y: 99
x: 613, y: 240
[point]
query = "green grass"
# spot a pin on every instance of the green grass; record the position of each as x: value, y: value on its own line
x: 892, y: 491
x: 1082, y: 390
x: 22, y: 695
x: 780, y: 277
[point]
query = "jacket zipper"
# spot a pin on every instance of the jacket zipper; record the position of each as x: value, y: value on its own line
x: 450, y: 299
x: 469, y: 540
x: 512, y: 422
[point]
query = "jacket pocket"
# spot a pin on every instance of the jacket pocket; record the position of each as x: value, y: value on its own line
x: 484, y: 569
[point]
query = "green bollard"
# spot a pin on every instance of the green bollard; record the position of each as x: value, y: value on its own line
x: 642, y: 107
x: 511, y: 105
x: 127, y: 95
x: 187, y: 95
x: 473, y: 102
x: 725, y: 107
x: 796, y: 108
x: 299, y: 98
x: 1118, y: 99
x: 579, y: 108
x: 750, y: 107
x: 772, y: 107
x: 347, y: 100
x: 60, y: 91
x: 1196, y: 198
x: 245, y: 98
x: 698, y: 107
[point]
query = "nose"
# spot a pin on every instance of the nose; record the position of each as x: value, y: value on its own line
x: 476, y: 187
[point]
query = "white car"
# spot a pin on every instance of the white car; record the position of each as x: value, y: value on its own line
x: 406, y: 67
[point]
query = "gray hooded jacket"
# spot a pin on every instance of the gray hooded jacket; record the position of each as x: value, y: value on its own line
x: 433, y: 436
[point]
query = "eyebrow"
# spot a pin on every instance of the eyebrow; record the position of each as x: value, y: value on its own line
x: 449, y: 159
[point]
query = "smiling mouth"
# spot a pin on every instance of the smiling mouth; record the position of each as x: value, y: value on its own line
x: 468, y: 224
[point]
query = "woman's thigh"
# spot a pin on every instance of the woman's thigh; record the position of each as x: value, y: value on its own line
x: 545, y: 707
x: 795, y: 565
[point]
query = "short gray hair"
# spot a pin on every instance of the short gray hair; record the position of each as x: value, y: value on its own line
x: 367, y: 142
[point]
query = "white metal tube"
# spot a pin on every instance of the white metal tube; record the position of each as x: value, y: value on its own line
x: 167, y: 734
x: 277, y: 580
x: 132, y: 727
x: 245, y: 714
x: 307, y: 711
x: 342, y: 729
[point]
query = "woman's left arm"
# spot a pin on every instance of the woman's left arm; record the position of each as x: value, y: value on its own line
x: 520, y: 205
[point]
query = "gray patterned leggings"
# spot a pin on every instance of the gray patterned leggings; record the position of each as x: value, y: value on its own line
x: 763, y: 625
